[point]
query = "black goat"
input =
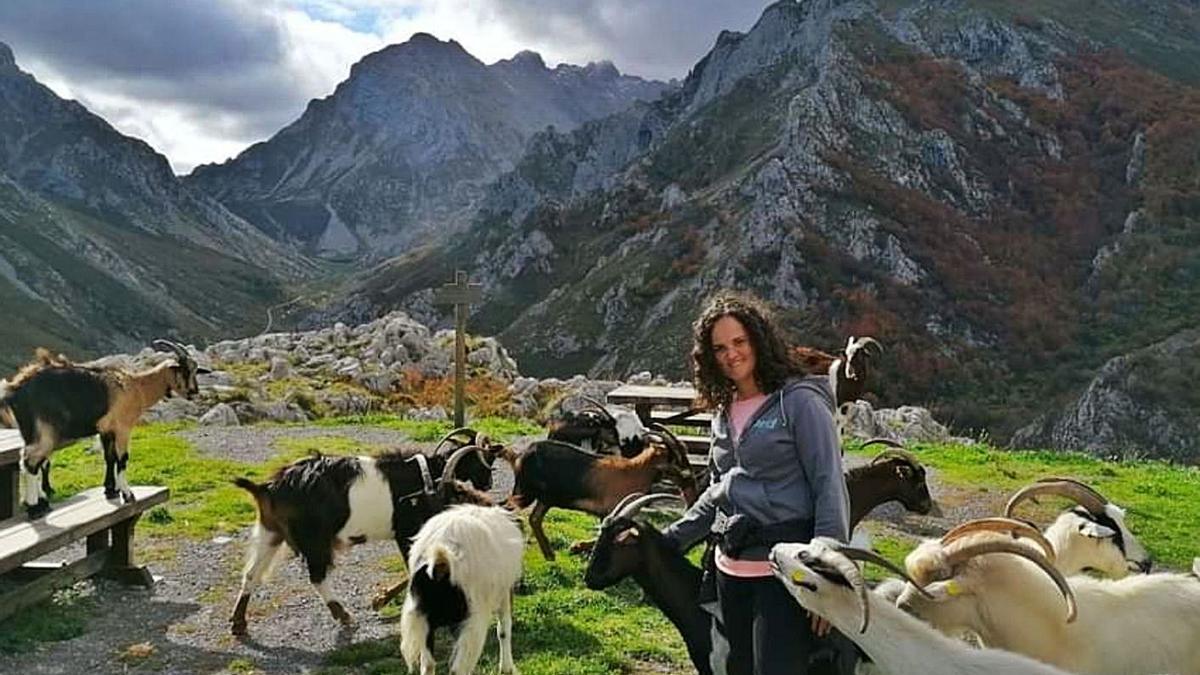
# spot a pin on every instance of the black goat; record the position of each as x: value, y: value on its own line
x: 320, y: 505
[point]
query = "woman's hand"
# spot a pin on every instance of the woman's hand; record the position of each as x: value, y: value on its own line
x: 820, y: 627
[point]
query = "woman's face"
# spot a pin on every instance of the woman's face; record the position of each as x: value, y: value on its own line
x: 734, y: 353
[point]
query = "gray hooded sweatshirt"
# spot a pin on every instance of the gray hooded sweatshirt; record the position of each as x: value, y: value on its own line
x: 787, y: 465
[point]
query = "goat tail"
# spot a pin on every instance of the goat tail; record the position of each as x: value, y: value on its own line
x: 250, y: 486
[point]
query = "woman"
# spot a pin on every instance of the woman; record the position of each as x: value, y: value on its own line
x: 776, y: 475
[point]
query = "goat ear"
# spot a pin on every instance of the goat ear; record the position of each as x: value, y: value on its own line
x: 1095, y: 530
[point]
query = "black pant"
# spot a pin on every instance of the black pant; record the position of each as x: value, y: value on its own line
x: 768, y: 632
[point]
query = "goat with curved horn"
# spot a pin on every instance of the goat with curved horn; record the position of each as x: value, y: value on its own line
x: 1082, y: 494
x: 961, y: 555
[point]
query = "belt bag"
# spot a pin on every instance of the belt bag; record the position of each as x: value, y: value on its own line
x: 742, y: 533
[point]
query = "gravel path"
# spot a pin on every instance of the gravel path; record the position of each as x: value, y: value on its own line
x: 182, y: 625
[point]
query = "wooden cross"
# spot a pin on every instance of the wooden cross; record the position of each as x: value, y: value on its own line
x: 460, y: 294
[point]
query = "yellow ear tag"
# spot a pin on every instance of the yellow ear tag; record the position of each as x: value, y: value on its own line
x: 952, y: 588
x: 797, y: 576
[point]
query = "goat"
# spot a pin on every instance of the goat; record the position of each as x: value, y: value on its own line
x: 824, y: 579
x: 848, y: 372
x: 667, y: 577
x: 321, y: 505
x: 599, y: 428
x: 1141, y: 624
x: 554, y: 474
x: 464, y: 564
x: 55, y: 402
x: 893, y: 475
x: 672, y: 582
x: 1092, y: 536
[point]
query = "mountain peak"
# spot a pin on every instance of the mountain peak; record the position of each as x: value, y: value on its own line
x: 528, y: 59
x: 602, y: 70
x: 7, y: 61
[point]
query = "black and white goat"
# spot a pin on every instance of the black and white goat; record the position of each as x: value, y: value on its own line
x: 1090, y: 537
x: 55, y: 402
x: 552, y: 474
x: 600, y: 428
x: 321, y: 505
x: 463, y: 566
x: 847, y: 372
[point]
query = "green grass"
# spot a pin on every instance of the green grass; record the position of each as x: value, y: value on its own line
x: 559, y: 626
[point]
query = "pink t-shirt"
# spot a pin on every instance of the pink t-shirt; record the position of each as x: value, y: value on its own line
x: 739, y: 414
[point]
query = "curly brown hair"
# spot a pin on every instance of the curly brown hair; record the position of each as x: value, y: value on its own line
x: 774, y: 361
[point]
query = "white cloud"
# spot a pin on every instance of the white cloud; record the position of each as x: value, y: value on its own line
x: 200, y: 81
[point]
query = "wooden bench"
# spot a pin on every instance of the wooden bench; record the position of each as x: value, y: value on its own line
x: 107, y: 526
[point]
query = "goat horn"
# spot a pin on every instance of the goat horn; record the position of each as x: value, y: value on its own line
x: 1016, y: 528
x: 880, y: 440
x: 864, y: 341
x: 671, y: 441
x: 1072, y: 489
x: 987, y: 547
x: 834, y: 557
x: 452, y: 463
x: 179, y: 350
x: 616, y: 510
x: 630, y: 508
x: 454, y: 432
x: 896, y: 454
x: 864, y: 555
x: 600, y: 407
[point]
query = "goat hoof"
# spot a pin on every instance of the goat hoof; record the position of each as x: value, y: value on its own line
x: 340, y: 613
x: 34, y: 511
x: 238, y: 628
x: 128, y: 498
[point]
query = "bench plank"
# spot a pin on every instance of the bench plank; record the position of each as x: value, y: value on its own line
x: 84, y: 514
x: 672, y: 418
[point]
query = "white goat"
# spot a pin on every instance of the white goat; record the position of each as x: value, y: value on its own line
x: 1091, y: 537
x: 1142, y: 624
x: 823, y: 578
x: 464, y: 564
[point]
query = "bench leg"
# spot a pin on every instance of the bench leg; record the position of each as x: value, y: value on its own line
x: 120, y: 565
x: 10, y: 497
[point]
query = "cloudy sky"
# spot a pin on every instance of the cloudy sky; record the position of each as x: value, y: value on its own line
x: 202, y: 79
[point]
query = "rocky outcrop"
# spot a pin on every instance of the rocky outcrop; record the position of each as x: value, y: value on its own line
x: 1142, y: 404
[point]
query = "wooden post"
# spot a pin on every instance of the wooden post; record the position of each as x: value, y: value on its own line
x: 461, y: 294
